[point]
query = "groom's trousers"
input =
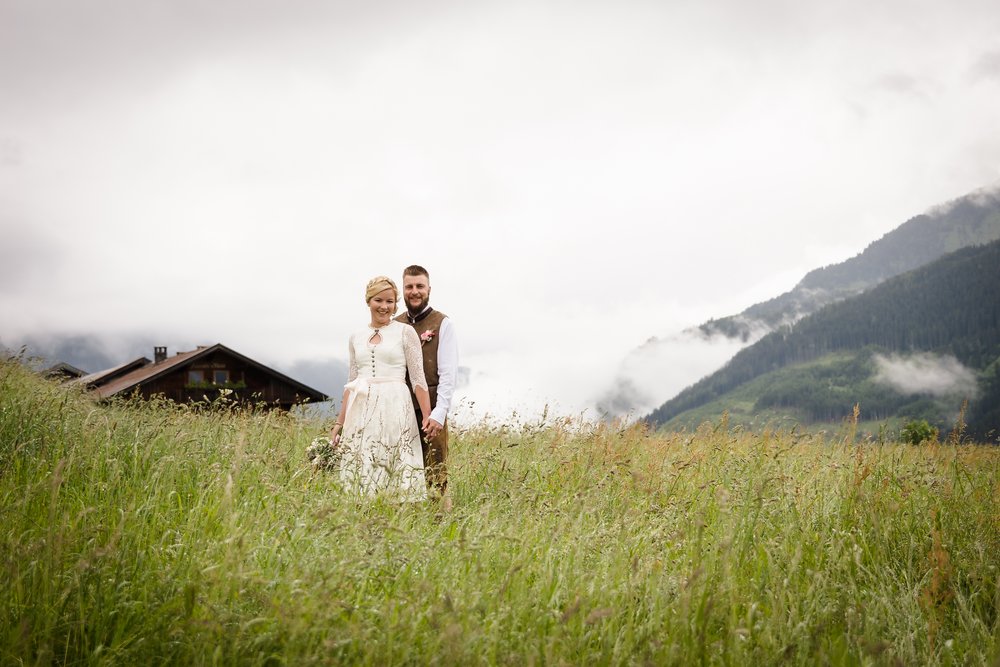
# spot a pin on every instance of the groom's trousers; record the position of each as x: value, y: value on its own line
x: 436, y: 458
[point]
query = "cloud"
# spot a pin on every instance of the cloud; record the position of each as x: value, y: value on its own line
x: 925, y: 373
x: 87, y: 352
x: 986, y: 196
x: 901, y: 83
x: 658, y: 370
x: 55, y: 53
x: 27, y: 257
x: 10, y: 152
x: 986, y: 68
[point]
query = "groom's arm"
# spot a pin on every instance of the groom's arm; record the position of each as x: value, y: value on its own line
x: 447, y: 362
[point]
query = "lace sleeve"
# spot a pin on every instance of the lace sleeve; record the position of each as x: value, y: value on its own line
x: 352, y: 363
x: 414, y: 357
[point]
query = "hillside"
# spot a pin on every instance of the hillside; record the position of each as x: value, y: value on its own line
x: 970, y: 220
x: 664, y: 365
x: 822, y: 393
x: 948, y: 308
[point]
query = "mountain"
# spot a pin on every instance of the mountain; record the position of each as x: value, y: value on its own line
x: 661, y: 367
x: 970, y: 220
x: 885, y: 349
x: 88, y: 353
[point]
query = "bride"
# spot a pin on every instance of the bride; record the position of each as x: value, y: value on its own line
x: 377, y: 427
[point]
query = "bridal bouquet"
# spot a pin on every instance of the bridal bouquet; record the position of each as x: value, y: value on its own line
x: 322, y: 454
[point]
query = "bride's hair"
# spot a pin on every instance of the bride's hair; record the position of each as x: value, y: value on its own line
x: 379, y: 284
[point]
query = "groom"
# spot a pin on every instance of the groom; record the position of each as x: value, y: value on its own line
x: 440, y: 350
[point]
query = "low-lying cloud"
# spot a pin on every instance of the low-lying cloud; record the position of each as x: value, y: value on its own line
x: 662, y: 367
x: 925, y: 373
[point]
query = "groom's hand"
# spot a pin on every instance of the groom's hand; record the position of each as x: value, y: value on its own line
x: 432, y: 428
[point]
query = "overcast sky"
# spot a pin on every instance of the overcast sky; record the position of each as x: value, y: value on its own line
x: 577, y: 176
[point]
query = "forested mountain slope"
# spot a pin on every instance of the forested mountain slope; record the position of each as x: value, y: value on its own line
x: 639, y: 385
x: 970, y: 220
x: 950, y: 306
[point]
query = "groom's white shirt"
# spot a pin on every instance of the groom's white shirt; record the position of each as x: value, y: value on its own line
x: 447, y: 370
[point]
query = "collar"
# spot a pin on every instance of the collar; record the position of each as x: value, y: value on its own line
x: 423, y: 313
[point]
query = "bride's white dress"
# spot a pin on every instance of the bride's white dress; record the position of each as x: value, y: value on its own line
x: 381, y: 437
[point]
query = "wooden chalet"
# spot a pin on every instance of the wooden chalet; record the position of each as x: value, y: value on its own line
x: 206, y: 372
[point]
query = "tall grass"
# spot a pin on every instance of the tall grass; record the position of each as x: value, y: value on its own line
x: 145, y: 532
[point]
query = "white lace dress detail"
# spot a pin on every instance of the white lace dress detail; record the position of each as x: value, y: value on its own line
x: 381, y: 437
x: 414, y: 354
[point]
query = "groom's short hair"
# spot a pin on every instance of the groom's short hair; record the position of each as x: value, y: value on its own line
x: 416, y: 270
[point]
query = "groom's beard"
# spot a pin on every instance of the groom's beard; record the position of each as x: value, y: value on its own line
x: 419, y: 308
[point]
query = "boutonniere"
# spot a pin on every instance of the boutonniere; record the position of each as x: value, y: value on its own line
x: 427, y: 335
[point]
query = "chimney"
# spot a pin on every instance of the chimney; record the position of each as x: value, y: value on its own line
x: 159, y: 354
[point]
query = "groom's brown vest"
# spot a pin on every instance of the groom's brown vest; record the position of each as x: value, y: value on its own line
x: 435, y: 451
x: 430, y: 322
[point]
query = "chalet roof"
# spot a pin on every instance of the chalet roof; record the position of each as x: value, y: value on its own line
x: 153, y: 370
x: 100, y: 378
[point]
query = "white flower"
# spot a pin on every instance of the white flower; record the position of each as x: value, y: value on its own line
x: 322, y: 454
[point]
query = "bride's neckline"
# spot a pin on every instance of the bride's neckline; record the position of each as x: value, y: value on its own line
x: 379, y: 326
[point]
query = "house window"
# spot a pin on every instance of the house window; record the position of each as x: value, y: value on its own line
x: 220, y: 377
x: 195, y: 377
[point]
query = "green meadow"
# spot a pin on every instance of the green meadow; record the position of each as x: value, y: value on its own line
x: 151, y: 533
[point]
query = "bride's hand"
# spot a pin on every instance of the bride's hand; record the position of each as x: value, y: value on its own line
x: 432, y: 428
